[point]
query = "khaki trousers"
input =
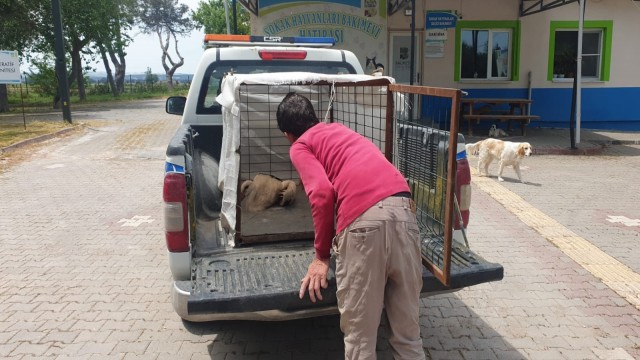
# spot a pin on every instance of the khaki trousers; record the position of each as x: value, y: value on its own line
x: 378, y: 265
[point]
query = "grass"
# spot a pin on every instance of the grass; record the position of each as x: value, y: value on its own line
x: 34, y: 102
x: 14, y: 133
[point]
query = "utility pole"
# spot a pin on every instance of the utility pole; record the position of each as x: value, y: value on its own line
x: 61, y: 66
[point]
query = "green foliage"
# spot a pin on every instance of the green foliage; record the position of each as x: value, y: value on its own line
x: 96, y: 93
x: 99, y: 89
x: 149, y: 77
x: 18, y: 25
x: 164, y: 16
x: 211, y: 16
x: 44, y: 81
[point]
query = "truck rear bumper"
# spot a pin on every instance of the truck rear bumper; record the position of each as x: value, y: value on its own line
x: 180, y: 299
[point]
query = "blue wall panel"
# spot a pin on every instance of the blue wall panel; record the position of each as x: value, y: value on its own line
x: 602, y: 108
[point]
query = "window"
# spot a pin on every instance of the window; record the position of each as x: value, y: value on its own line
x: 212, y: 79
x: 478, y: 62
x: 596, y: 49
x: 566, y: 52
x: 487, y: 50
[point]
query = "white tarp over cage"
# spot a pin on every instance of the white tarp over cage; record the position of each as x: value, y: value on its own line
x: 249, y: 103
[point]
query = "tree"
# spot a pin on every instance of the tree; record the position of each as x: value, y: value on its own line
x: 45, y: 79
x: 149, y: 77
x: 166, y: 18
x: 211, y: 16
x: 80, y: 30
x: 82, y: 20
x: 90, y: 27
x: 112, y: 39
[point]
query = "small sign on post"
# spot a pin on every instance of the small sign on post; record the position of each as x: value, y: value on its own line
x: 440, y: 20
x: 9, y: 67
x: 10, y: 74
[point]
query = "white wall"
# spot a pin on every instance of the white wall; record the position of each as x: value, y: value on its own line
x: 534, y: 44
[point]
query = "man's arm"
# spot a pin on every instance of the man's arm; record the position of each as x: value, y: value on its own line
x: 321, y: 197
x: 322, y: 200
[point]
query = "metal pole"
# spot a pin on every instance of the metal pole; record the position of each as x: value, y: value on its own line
x: 226, y: 15
x: 412, y: 97
x: 235, y: 17
x: 412, y: 66
x: 529, y: 91
x: 578, y: 74
x: 572, y: 118
x: 24, y: 119
x: 61, y: 66
x: 26, y: 82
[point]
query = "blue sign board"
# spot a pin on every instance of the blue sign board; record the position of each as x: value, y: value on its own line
x: 440, y: 20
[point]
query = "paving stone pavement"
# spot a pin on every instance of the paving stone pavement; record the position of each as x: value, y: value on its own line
x: 84, y: 273
x: 594, y: 196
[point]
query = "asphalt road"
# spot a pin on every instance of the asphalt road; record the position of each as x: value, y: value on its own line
x: 84, y: 272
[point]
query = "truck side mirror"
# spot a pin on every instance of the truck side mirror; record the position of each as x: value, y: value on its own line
x: 175, y: 105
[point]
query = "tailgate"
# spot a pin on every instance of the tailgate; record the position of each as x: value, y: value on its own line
x: 268, y: 278
x: 254, y: 279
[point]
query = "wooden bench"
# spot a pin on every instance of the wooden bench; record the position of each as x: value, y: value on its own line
x: 490, y: 109
x: 523, y: 119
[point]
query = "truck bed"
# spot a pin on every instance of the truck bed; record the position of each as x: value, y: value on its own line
x: 291, y: 222
x: 267, y: 277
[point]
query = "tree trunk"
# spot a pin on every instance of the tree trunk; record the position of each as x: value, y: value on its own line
x: 120, y: 75
x: 76, y: 67
x: 169, y: 76
x: 78, y: 75
x: 107, y: 68
x: 121, y: 70
x: 169, y: 71
x: 119, y: 65
x: 4, y: 98
x: 56, y: 102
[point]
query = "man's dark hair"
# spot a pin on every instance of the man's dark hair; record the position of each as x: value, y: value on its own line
x: 295, y: 114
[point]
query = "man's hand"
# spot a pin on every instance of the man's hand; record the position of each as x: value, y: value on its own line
x: 316, y: 277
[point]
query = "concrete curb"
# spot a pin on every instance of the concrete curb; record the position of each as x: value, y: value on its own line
x: 624, y: 142
x: 38, y: 139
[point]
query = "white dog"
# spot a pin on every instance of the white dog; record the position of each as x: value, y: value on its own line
x: 495, y: 131
x: 507, y: 153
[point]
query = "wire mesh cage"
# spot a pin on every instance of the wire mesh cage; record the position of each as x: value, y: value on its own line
x: 425, y: 152
x: 414, y: 126
x: 361, y: 106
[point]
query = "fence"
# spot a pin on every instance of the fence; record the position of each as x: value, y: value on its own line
x: 102, y: 87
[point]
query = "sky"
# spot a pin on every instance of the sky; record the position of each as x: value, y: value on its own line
x: 145, y: 50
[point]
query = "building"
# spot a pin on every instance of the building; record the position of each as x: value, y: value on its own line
x: 489, y: 48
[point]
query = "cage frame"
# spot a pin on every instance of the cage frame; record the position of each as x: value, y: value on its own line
x: 441, y: 273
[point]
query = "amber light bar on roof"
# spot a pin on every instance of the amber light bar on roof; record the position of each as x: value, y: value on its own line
x: 218, y: 40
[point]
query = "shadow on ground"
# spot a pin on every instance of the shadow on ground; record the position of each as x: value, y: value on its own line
x: 461, y: 336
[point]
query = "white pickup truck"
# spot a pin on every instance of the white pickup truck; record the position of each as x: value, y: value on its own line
x: 216, y: 278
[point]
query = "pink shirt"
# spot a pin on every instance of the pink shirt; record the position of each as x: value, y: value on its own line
x: 342, y: 170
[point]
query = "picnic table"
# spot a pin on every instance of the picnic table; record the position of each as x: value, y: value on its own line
x: 502, y: 109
